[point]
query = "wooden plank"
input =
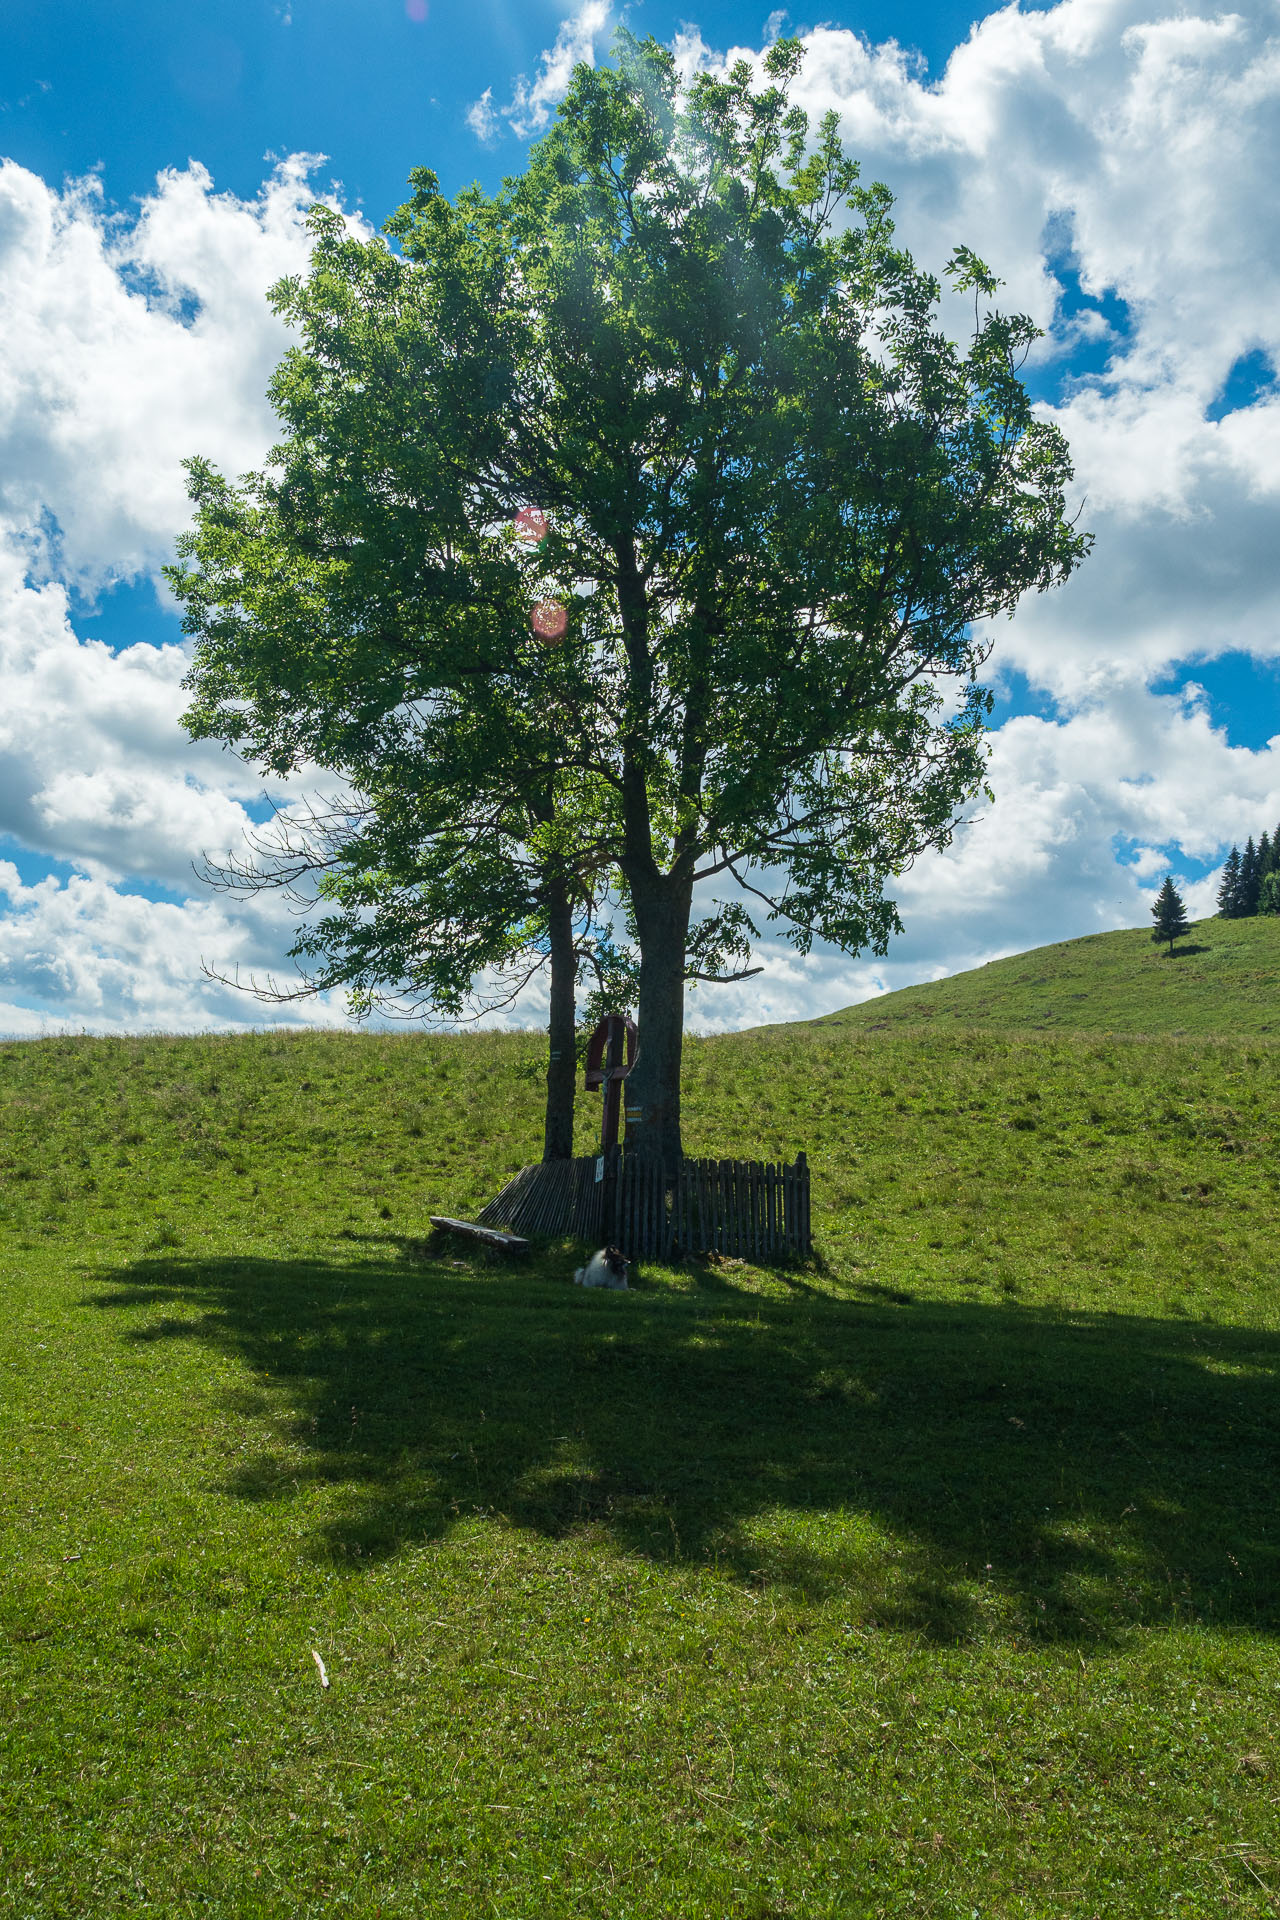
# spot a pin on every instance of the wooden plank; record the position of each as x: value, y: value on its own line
x: 744, y: 1207
x: 499, y: 1208
x: 750, y: 1171
x: 654, y: 1190
x: 713, y: 1204
x: 763, y: 1206
x: 780, y: 1207
x: 660, y: 1212
x: 631, y: 1169
x: 490, y: 1236
x: 730, y: 1211
x: 650, y: 1210
x: 586, y: 1212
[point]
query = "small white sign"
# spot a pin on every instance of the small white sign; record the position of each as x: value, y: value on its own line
x: 599, y: 1167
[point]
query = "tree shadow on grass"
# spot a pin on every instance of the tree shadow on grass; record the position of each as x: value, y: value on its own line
x: 948, y: 1469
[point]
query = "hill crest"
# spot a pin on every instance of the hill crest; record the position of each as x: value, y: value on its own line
x: 1223, y: 979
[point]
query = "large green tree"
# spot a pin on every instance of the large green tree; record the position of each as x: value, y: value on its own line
x: 467, y: 850
x: 781, y: 504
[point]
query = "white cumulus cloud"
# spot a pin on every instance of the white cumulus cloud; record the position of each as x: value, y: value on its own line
x: 530, y: 107
x: 128, y: 344
x: 81, y: 954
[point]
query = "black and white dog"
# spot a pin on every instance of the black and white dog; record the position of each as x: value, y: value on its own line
x: 604, y: 1269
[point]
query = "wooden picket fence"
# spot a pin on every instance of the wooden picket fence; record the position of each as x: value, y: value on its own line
x: 743, y: 1207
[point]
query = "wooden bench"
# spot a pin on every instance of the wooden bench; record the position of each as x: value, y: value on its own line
x: 488, y: 1236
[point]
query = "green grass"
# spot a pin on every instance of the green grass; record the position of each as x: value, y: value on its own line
x: 940, y: 1577
x: 1224, y: 978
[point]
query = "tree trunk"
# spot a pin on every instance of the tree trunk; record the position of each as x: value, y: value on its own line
x: 652, y: 1089
x: 557, y: 1142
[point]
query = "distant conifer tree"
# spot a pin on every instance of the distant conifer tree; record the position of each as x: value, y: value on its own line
x: 1229, y: 889
x: 1250, y: 879
x: 1266, y: 857
x: 1269, y: 892
x: 1170, y: 914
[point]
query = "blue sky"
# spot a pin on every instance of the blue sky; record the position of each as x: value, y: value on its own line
x: 1113, y: 159
x: 375, y: 85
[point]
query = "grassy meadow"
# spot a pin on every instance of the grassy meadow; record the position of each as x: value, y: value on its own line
x: 940, y: 1576
x: 1223, y: 978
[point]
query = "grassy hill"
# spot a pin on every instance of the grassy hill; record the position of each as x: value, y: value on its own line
x: 1225, y: 978
x: 940, y: 1576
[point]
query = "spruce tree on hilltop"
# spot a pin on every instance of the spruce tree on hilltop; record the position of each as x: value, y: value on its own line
x: 1269, y: 893
x: 1170, y: 914
x: 1229, y: 887
x: 1250, y: 879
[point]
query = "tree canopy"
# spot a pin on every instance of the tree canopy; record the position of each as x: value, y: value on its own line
x: 779, y: 506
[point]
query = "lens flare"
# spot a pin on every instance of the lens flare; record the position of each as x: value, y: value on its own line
x: 549, y: 619
x: 531, y: 526
x: 416, y: 10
